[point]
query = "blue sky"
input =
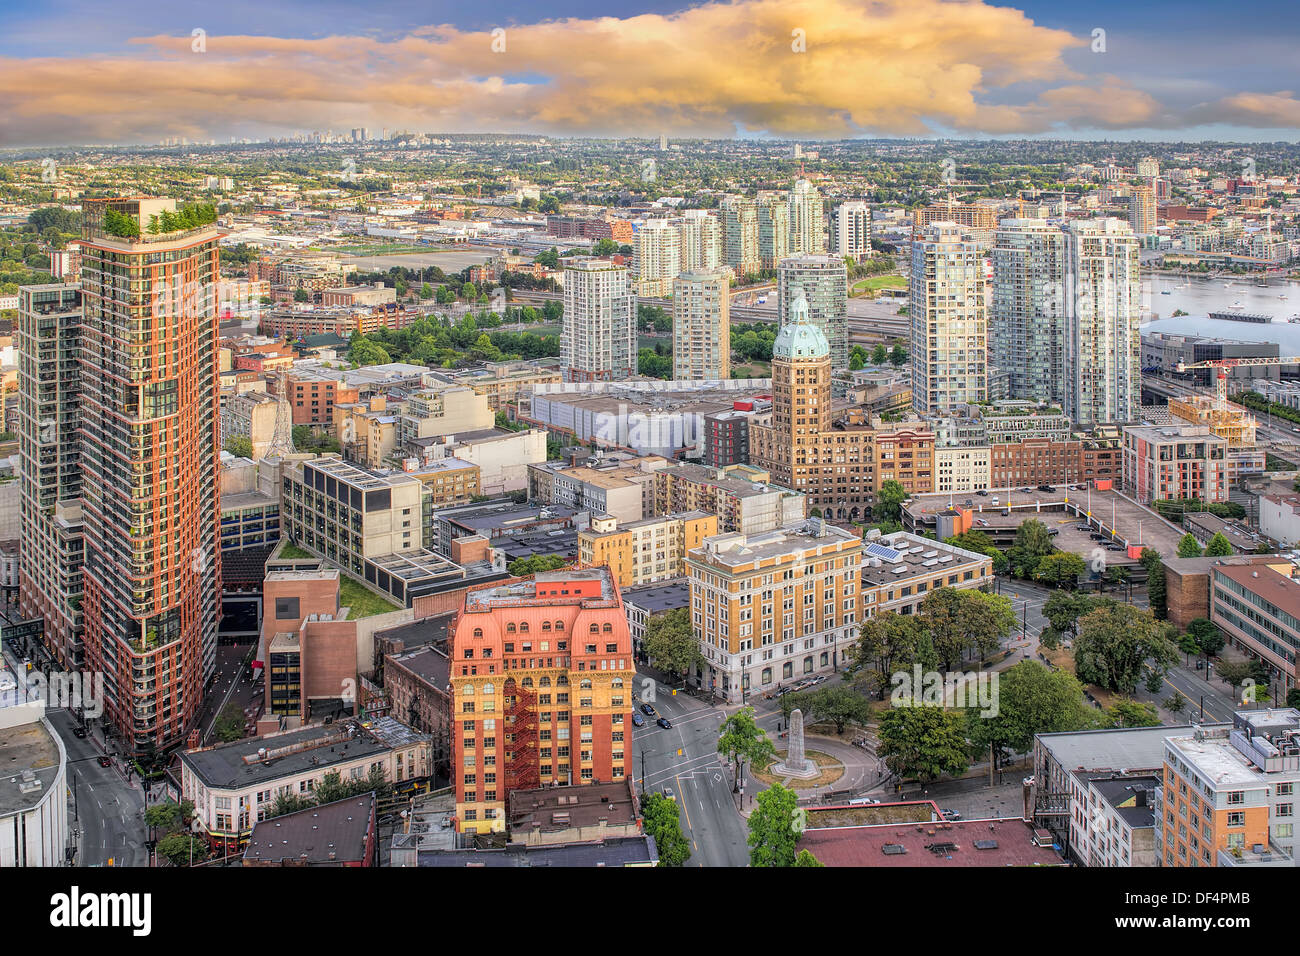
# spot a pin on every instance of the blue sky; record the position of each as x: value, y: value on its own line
x: 1172, y: 70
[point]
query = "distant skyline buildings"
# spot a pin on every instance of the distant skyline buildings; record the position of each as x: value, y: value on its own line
x: 822, y: 281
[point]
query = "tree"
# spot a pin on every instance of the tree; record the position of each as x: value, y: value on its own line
x: 1064, y: 609
x: 426, y: 291
x: 1188, y: 547
x: 892, y: 642
x: 806, y: 858
x: 1175, y: 703
x: 924, y: 742
x: 365, y: 352
x: 1209, y: 639
x: 1219, y: 546
x: 980, y: 543
x: 740, y: 738
x: 840, y: 705
x: 670, y: 642
x: 889, y: 501
x: 1115, y: 645
x: 230, y: 723
x: 241, y: 446
x: 1062, y: 569
x: 180, y: 849
x: 774, y: 827
x: 301, y: 295
x: 1293, y: 697
x: 662, y: 820
x: 289, y: 803
x: 1126, y: 712
x: 1150, y: 560
x: 1031, y: 700
x: 1235, y: 673
x: 536, y: 564
x: 879, y: 355
x: 898, y: 356
x: 962, y: 621
x: 168, y: 816
x: 1031, y: 545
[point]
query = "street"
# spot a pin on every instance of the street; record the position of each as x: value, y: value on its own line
x: 710, y: 821
x: 108, y: 810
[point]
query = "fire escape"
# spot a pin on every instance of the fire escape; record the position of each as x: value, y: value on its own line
x: 523, y: 770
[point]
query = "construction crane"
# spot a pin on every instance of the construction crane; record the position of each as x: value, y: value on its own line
x: 1221, y: 367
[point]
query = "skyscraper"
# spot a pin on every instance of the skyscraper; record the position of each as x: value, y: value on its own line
x: 149, y: 453
x: 851, y: 234
x: 949, y: 331
x: 1066, y: 309
x: 1142, y: 210
x: 807, y: 226
x: 49, y: 371
x: 1027, y: 322
x: 701, y: 240
x: 740, y: 235
x: 702, y: 325
x: 656, y: 257
x: 824, y: 281
x: 1103, y: 367
x: 773, y: 229
x: 598, y: 338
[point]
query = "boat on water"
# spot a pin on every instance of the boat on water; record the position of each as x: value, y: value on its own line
x: 1165, y: 292
x: 1236, y: 305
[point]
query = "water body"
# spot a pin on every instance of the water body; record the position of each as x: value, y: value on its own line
x: 1201, y: 296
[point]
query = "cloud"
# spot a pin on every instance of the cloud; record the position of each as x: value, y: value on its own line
x: 888, y: 67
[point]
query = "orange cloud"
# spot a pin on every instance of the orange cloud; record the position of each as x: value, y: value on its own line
x: 904, y: 67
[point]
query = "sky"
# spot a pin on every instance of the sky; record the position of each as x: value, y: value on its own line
x: 130, y: 71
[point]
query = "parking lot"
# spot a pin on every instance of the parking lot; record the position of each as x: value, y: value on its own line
x: 1065, y: 510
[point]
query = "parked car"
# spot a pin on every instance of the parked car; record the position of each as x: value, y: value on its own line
x: 1114, y: 547
x: 1083, y: 527
x: 669, y: 792
x: 950, y: 814
x: 7, y: 682
x: 1046, y: 488
x: 862, y: 802
x: 648, y: 710
x: 1097, y: 537
x: 981, y: 522
x: 105, y: 761
x: 1026, y: 491
x: 1053, y: 532
x: 665, y: 723
x: 982, y: 493
x: 79, y: 733
x: 637, y: 720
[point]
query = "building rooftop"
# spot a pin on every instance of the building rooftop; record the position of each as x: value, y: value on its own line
x: 621, y: 851
x: 1265, y: 582
x: 31, y: 758
x: 562, y: 808
x: 1130, y: 796
x: 256, y: 760
x: 883, y: 558
x: 734, y: 549
x: 657, y: 598
x: 738, y: 487
x: 428, y: 663
x: 968, y: 843
x: 328, y: 835
x: 1133, y: 748
x: 599, y: 590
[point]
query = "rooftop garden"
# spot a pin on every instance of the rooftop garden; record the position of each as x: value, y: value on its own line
x: 362, y: 601
x: 189, y: 216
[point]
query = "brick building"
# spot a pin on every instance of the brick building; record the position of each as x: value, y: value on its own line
x: 550, y: 659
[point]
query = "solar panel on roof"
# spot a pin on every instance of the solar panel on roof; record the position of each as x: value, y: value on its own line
x: 894, y: 849
x: 986, y: 844
x: 880, y: 551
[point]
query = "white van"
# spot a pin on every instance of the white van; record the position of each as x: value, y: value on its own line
x: 995, y: 502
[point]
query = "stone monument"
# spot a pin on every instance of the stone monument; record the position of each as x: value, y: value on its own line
x: 795, y: 764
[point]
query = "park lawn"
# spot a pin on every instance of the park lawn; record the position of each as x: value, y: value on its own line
x: 362, y: 601
x: 876, y: 283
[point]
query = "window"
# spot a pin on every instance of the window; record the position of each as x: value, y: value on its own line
x: 286, y: 608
